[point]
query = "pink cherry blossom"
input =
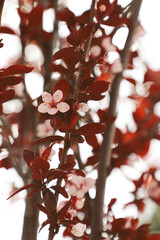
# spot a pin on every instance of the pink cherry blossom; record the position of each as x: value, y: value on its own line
x: 52, y: 104
x: 82, y: 107
x: 139, y: 32
x: 107, y: 44
x: 79, y: 203
x: 44, y: 129
x: 117, y: 66
x: 78, y: 229
x: 78, y: 186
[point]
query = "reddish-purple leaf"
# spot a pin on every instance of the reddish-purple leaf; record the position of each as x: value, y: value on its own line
x: 7, y: 30
x: 60, y: 190
x: 76, y: 138
x: 78, y: 172
x: 91, y: 128
x: 115, y: 21
x: 47, y: 152
x: 28, y: 156
x: 55, y: 173
x: 91, y: 161
x: 15, y: 69
x: 35, y: 16
x: 42, y: 208
x: 66, y: 53
x: 5, y: 162
x: 97, y: 87
x: 41, y: 166
x: 7, y: 95
x: 62, y: 213
x: 11, y: 80
x: 49, y: 139
x: 62, y: 85
x: 67, y: 16
x: 50, y: 200
x: 23, y: 188
x: 59, y: 68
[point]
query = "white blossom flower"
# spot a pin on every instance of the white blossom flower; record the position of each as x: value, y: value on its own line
x: 78, y: 229
x: 78, y: 186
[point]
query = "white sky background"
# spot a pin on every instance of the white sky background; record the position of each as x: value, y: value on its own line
x: 11, y: 212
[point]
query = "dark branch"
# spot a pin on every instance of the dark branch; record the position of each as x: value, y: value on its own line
x: 105, y: 154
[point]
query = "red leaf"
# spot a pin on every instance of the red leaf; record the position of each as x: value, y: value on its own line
x: 78, y: 172
x: 5, y: 163
x: 49, y: 139
x: 63, y: 86
x: 42, y: 208
x: 78, y: 37
x: 35, y: 16
x: 112, y: 202
x: 59, y: 68
x: 28, y: 156
x: 32, y: 193
x: 15, y: 69
x: 60, y: 190
x: 67, y: 16
x: 55, y: 173
x: 47, y: 152
x: 7, y: 30
x: 92, y: 141
x: 50, y: 200
x: 91, y: 128
x: 23, y: 188
x: 11, y: 80
x: 7, y: 95
x: 66, y: 53
x: 76, y: 138
x: 97, y: 87
x: 115, y: 21
x: 41, y: 166
x: 91, y: 161
x: 62, y: 213
x: 84, y: 18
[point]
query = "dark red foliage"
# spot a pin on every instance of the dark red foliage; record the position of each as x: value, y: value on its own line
x: 85, y: 74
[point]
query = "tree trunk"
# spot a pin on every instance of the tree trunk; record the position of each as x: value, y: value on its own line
x: 31, y: 216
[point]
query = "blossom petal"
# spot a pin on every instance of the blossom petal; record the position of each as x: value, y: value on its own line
x: 57, y: 96
x: 78, y: 229
x: 63, y: 107
x: 52, y: 111
x: 83, y: 107
x: 43, y: 108
x: 47, y: 97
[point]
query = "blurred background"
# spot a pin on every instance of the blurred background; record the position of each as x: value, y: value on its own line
x: 12, y: 211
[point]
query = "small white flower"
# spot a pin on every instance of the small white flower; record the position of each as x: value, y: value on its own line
x: 78, y: 229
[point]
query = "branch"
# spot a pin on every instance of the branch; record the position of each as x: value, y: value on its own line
x: 105, y: 154
x: 86, y: 49
x: 1, y: 9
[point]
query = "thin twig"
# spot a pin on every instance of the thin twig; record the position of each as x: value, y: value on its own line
x: 105, y: 154
x: 86, y: 50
